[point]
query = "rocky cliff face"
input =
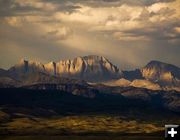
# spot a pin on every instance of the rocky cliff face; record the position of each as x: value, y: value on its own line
x: 155, y: 75
x: 90, y: 68
x: 23, y: 68
x: 145, y: 84
x: 162, y: 73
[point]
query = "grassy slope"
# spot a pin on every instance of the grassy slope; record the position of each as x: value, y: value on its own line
x: 79, y: 125
x: 81, y: 138
x: 76, y: 125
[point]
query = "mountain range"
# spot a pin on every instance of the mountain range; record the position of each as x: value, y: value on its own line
x: 87, y: 86
x: 155, y: 75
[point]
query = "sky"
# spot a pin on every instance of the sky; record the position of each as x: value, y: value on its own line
x: 130, y: 33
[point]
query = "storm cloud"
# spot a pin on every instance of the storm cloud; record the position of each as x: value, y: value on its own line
x: 130, y: 33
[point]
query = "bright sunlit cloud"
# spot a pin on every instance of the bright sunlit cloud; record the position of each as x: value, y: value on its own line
x: 122, y: 30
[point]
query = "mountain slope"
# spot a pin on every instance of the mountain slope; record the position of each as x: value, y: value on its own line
x: 155, y: 75
x: 120, y: 82
x: 139, y: 83
x: 24, y: 68
x: 145, y: 84
x: 163, y: 73
x: 133, y: 74
x: 90, y: 68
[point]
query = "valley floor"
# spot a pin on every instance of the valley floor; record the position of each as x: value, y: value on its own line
x: 77, y: 125
x: 81, y: 138
x: 38, y: 114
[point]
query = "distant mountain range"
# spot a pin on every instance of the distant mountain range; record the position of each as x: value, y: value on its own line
x: 89, y: 68
x: 94, y: 69
x: 155, y: 75
x: 91, y: 83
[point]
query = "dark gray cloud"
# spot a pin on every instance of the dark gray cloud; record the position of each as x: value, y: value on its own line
x: 68, y: 8
x: 68, y: 29
x: 100, y: 3
x: 12, y: 8
x: 137, y: 2
x: 158, y: 32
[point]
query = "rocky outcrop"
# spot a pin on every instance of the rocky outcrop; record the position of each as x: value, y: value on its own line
x: 159, y: 71
x: 145, y: 84
x: 155, y: 75
x: 90, y: 68
x: 120, y: 82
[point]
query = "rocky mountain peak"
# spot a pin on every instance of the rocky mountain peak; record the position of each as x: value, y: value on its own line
x: 22, y: 61
x: 159, y: 71
x: 95, y: 59
x: 90, y: 68
x: 158, y: 65
x: 94, y: 68
x: 101, y: 61
x: 25, y: 66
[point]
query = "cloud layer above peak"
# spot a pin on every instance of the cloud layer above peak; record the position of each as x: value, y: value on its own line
x: 123, y: 30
